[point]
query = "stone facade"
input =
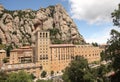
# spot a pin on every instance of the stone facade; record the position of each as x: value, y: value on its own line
x: 42, y: 50
x: 61, y: 55
x: 21, y: 55
x: 89, y: 52
x: 2, y: 55
x: 48, y: 57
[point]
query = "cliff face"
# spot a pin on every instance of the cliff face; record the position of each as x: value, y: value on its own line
x: 17, y: 26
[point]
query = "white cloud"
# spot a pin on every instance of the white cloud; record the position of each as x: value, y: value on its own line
x: 93, y: 11
x: 101, y: 37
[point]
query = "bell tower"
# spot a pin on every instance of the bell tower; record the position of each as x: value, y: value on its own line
x: 42, y: 49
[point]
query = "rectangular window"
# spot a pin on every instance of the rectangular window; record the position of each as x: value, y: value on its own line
x: 40, y: 35
x: 43, y: 34
x: 46, y: 35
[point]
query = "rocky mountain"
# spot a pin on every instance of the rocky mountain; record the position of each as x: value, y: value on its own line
x: 17, y: 27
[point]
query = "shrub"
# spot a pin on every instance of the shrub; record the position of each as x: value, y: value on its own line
x: 52, y: 73
x: 43, y: 74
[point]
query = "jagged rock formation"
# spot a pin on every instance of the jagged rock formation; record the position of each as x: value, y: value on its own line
x: 17, y: 26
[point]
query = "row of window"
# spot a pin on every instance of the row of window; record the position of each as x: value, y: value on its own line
x: 43, y: 42
x: 61, y: 57
x: 45, y: 39
x: 90, y: 55
x: 44, y: 34
x: 43, y: 57
x: 84, y: 46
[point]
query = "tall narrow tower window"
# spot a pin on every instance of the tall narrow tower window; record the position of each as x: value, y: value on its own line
x: 43, y: 34
x: 46, y: 35
x: 40, y: 35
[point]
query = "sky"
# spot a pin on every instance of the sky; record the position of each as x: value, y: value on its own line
x: 92, y: 17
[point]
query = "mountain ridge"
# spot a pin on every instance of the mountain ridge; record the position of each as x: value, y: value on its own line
x: 17, y: 26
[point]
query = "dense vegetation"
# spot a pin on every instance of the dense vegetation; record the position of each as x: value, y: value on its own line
x: 113, y: 50
x: 43, y: 80
x: 53, y: 38
x: 43, y: 74
x: 21, y: 76
x: 79, y: 71
x: 95, y: 44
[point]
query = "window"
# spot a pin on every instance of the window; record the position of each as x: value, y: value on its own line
x: 46, y: 56
x: 40, y: 57
x: 46, y: 35
x: 43, y: 34
x: 40, y: 35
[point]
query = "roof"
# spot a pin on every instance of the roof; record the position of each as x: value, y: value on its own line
x: 25, y: 47
x: 62, y: 45
x: 22, y: 48
x: 38, y: 30
x: 2, y: 51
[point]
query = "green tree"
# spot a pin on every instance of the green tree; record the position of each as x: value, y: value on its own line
x: 114, y: 45
x: 100, y: 73
x: 104, y: 56
x: 32, y: 76
x: 52, y: 73
x: 43, y: 74
x: 3, y: 76
x: 116, y: 16
x: 114, y: 41
x: 78, y: 71
x: 95, y: 44
x: 21, y: 76
x: 53, y: 31
x: 102, y: 70
x: 5, y: 60
x: 43, y: 80
x: 8, y: 48
x: 88, y: 77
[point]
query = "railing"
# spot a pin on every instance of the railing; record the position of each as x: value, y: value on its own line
x: 7, y: 68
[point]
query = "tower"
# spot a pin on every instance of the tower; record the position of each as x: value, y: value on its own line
x: 42, y: 50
